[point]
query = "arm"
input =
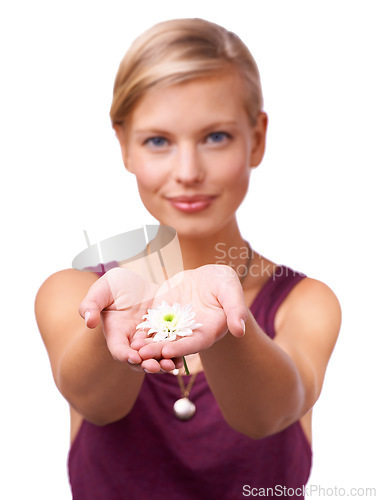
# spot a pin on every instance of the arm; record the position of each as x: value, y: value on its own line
x: 264, y: 385
x: 261, y: 385
x: 93, y: 382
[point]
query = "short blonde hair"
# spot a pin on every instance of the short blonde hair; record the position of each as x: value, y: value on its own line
x: 181, y: 50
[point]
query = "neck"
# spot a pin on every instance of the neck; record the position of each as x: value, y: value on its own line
x: 226, y: 247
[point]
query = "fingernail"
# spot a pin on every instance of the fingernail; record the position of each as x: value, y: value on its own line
x: 86, y: 317
x: 144, y: 369
x: 131, y: 361
x: 243, y: 324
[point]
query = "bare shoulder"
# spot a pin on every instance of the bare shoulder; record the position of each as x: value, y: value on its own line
x: 56, y: 306
x: 309, y: 321
x: 60, y: 289
x: 67, y: 278
x: 312, y: 299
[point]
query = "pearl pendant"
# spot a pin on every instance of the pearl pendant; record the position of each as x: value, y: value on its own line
x: 184, y: 409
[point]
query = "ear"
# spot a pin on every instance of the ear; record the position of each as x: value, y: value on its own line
x: 258, y: 139
x: 120, y: 131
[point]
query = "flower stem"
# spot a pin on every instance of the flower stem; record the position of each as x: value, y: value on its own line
x: 187, y: 372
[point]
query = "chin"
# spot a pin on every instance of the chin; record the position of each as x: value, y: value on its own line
x: 196, y: 229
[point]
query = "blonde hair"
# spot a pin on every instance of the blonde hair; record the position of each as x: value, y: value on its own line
x: 178, y: 51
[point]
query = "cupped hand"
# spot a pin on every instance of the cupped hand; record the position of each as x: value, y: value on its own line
x: 217, y: 298
x: 118, y: 299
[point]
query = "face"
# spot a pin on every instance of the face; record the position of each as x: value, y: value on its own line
x: 191, y: 147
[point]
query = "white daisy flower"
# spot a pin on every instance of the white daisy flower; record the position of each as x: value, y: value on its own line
x: 167, y: 322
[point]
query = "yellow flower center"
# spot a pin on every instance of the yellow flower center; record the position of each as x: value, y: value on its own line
x: 169, y: 317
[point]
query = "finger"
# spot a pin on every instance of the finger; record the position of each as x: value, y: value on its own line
x: 151, y: 366
x: 138, y: 343
x: 121, y: 351
x: 135, y: 367
x: 151, y: 350
x: 140, y: 334
x: 98, y: 298
x: 167, y: 365
x: 185, y: 346
x: 118, y: 342
x: 179, y: 363
x: 231, y: 298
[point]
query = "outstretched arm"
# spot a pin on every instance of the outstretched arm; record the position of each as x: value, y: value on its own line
x: 264, y: 385
x: 261, y: 385
x: 89, y: 367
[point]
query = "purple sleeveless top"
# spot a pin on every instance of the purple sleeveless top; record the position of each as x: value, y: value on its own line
x: 150, y: 454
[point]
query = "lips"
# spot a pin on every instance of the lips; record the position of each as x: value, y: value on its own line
x: 191, y: 204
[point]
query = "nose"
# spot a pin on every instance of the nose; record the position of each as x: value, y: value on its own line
x: 188, y: 168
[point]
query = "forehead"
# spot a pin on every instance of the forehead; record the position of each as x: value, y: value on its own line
x: 215, y: 98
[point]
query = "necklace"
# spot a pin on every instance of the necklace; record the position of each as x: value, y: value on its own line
x: 184, y: 408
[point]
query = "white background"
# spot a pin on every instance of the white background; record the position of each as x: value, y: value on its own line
x: 311, y: 204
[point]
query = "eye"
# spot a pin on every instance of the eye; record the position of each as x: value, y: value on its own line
x: 156, y: 142
x: 218, y: 137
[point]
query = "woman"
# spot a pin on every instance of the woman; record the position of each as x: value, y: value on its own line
x: 187, y: 111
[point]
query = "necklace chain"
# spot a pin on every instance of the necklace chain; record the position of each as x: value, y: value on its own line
x: 185, y: 390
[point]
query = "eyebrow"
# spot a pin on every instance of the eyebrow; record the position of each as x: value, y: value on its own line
x: 212, y: 126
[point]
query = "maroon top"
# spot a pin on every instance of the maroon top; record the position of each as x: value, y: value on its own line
x: 151, y: 454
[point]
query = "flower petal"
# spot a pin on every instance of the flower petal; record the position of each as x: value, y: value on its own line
x: 195, y: 325
x: 181, y: 323
x: 159, y: 336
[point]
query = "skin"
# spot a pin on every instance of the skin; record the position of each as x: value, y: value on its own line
x: 188, y: 139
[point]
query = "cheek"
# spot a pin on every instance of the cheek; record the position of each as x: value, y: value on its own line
x: 149, y: 176
x: 234, y: 179
x: 151, y: 182
x: 146, y: 180
x: 148, y: 186
x: 234, y: 173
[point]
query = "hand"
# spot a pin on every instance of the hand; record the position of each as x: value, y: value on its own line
x: 119, y: 299
x: 218, y: 301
